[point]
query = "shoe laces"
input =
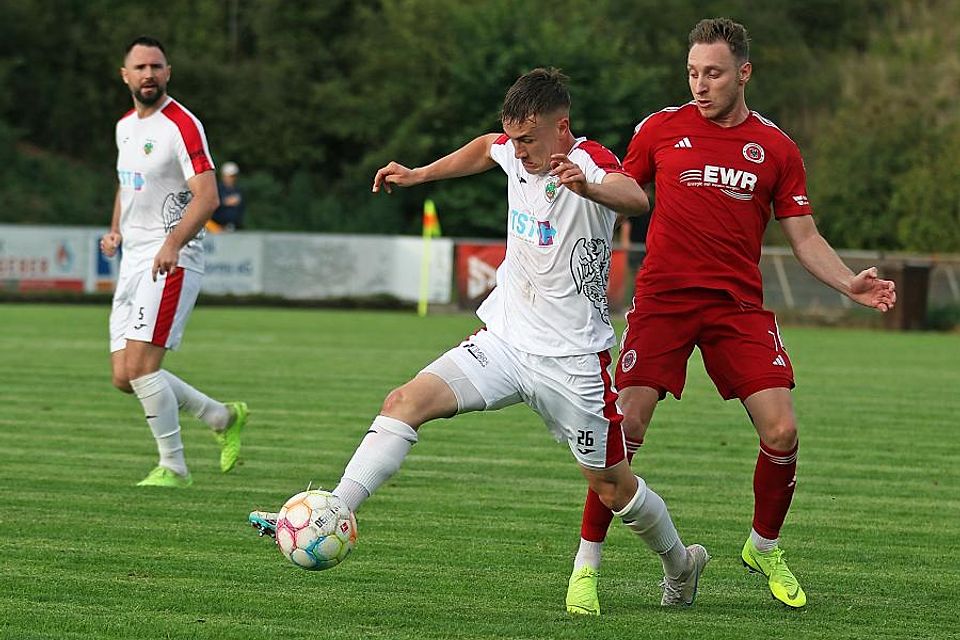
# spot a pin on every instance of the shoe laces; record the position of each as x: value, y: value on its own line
x: 672, y: 590
x: 780, y: 569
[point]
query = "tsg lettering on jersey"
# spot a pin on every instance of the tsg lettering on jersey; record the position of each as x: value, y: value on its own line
x: 132, y: 179
x: 527, y: 228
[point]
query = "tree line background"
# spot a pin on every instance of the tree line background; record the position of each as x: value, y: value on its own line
x: 311, y: 97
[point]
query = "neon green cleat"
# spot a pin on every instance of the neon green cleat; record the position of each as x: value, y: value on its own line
x: 582, y: 592
x: 229, y: 438
x: 163, y: 477
x: 783, y: 584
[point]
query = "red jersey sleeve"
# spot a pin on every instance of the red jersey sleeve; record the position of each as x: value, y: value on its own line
x: 639, y: 163
x: 790, y: 198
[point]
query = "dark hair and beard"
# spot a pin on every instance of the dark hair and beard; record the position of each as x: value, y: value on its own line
x: 149, y: 101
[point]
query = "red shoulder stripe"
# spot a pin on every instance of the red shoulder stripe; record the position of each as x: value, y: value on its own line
x: 191, y: 137
x: 602, y: 156
x: 502, y: 139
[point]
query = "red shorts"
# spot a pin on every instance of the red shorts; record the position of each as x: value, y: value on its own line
x: 740, y: 344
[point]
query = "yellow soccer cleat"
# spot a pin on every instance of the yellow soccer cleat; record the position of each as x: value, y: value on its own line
x: 582, y: 592
x: 163, y: 477
x: 783, y: 584
x: 229, y: 438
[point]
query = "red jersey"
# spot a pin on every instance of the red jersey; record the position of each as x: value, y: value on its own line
x: 715, y: 187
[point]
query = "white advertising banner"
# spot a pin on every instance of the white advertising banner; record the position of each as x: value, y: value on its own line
x: 234, y: 264
x: 302, y: 266
x: 298, y: 266
x: 52, y: 258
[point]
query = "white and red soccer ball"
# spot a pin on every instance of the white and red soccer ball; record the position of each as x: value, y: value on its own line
x: 316, y: 530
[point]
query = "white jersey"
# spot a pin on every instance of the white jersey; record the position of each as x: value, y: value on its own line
x: 551, y: 293
x: 156, y: 156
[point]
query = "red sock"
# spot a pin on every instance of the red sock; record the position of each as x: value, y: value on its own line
x: 773, y: 483
x: 596, y: 517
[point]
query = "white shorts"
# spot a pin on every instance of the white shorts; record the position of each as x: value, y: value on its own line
x: 154, y: 312
x: 573, y: 394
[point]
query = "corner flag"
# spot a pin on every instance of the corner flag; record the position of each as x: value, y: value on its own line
x: 431, y: 223
x: 431, y: 229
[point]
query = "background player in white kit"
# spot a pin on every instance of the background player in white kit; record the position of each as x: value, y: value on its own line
x: 547, y: 329
x: 167, y: 192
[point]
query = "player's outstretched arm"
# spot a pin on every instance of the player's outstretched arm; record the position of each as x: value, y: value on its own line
x: 819, y: 258
x: 618, y: 192
x: 473, y: 157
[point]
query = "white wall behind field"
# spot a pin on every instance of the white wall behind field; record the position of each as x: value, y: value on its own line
x: 297, y: 266
x: 310, y: 266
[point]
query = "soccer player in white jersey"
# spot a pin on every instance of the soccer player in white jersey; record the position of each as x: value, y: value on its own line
x: 548, y: 333
x: 167, y: 192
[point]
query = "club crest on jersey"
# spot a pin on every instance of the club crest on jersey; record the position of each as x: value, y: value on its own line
x: 753, y: 152
x: 148, y: 147
x: 628, y: 360
x: 550, y: 188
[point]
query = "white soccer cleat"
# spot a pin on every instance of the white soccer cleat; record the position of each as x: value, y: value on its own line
x: 683, y: 590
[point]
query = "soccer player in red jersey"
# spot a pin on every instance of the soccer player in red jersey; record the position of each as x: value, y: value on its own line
x: 719, y: 170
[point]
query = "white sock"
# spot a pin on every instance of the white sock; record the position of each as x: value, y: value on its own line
x: 762, y: 544
x: 646, y: 515
x: 376, y: 459
x: 588, y: 555
x: 160, y: 406
x: 214, y: 414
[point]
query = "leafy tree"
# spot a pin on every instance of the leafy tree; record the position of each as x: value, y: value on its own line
x: 310, y: 98
x: 882, y: 172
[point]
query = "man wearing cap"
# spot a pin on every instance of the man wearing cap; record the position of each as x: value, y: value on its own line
x: 229, y: 215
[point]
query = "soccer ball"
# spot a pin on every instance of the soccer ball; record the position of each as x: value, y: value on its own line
x: 315, y: 530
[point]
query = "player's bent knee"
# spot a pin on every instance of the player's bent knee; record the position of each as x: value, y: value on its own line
x: 122, y: 383
x: 415, y: 403
x: 634, y: 426
x: 610, y: 488
x: 397, y: 401
x: 607, y: 492
x: 782, y: 435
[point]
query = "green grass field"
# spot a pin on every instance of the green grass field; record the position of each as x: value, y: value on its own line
x: 474, y: 538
